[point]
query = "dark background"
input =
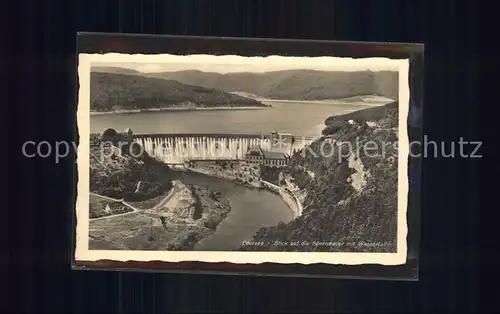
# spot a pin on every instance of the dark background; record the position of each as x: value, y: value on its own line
x: 133, y: 44
x: 39, y: 104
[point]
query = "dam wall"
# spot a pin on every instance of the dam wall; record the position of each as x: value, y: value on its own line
x: 179, y: 148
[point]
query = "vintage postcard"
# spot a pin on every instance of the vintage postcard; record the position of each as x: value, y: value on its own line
x: 242, y: 159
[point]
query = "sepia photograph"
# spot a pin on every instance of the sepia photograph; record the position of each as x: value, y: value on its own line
x: 242, y: 159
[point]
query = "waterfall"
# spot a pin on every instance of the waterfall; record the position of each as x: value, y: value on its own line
x: 178, y: 149
x: 173, y: 149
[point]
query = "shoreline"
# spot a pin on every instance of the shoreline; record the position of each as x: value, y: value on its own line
x: 362, y: 100
x: 370, y: 101
x: 252, y: 185
x: 293, y: 204
x: 99, y: 113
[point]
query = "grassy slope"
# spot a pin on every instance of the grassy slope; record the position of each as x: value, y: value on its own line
x: 115, y: 91
x: 295, y: 84
x: 334, y: 209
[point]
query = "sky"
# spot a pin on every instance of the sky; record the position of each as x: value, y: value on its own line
x: 233, y: 64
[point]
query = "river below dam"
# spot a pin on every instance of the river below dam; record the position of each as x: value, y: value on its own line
x: 251, y: 209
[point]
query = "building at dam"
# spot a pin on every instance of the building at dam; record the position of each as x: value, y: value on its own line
x: 258, y: 156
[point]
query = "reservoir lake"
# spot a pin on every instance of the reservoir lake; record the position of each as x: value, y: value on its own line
x: 301, y: 119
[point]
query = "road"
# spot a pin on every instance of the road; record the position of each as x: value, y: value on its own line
x: 106, y: 197
x: 134, y: 209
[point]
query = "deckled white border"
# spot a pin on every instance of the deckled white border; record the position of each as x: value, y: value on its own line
x: 82, y: 252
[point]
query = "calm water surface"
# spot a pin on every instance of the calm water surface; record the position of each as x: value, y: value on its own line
x: 303, y: 119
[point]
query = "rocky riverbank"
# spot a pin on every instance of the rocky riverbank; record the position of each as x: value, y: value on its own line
x: 238, y: 172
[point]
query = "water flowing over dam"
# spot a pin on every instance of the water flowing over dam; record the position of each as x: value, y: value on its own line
x: 178, y: 148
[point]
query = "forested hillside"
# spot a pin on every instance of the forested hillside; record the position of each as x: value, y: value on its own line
x: 335, y: 123
x: 349, y: 195
x: 117, y: 91
x: 117, y: 174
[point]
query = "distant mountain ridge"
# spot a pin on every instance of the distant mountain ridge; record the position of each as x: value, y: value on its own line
x: 295, y: 84
x: 116, y: 70
x: 290, y: 84
x: 117, y: 91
